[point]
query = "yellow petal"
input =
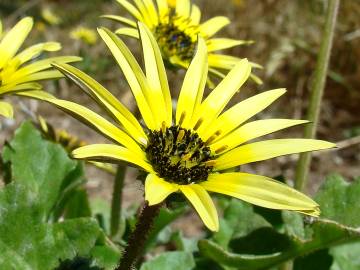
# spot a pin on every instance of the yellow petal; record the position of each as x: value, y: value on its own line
x: 36, y: 50
x: 162, y: 7
x: 183, y: 8
x: 13, y: 40
x: 195, y: 15
x: 90, y: 119
x: 157, y: 189
x: 156, y: 76
x: 221, y: 95
x: 203, y: 204
x: 268, y: 149
x: 253, y: 130
x: 6, y: 109
x: 105, y: 99
x: 193, y: 86
x: 127, y: 31
x: 213, y: 25
x: 13, y: 88
x: 222, y: 61
x: 133, y: 73
x: 38, y: 76
x: 120, y: 19
x: 131, y: 8
x: 147, y: 19
x: 241, y: 112
x: 110, y: 152
x: 150, y: 7
x: 41, y: 65
x: 262, y: 191
x: 216, y: 44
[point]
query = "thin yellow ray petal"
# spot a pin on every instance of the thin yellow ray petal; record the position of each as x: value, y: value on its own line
x: 203, y: 205
x: 183, y: 8
x: 127, y: 31
x: 149, y: 4
x: 213, y: 25
x: 262, y: 191
x: 111, y: 152
x: 105, y: 99
x: 222, y: 61
x: 42, y: 65
x: 157, y: 189
x: 131, y: 8
x: 216, y: 101
x: 192, y: 90
x: 35, y: 50
x: 6, y: 109
x: 268, y: 149
x: 13, y: 40
x: 133, y: 73
x: 241, y: 112
x: 38, y: 76
x: 90, y: 119
x: 162, y: 7
x: 144, y: 12
x: 253, y: 130
x: 195, y: 15
x: 13, y: 88
x: 216, y: 44
x: 156, y: 76
x: 120, y: 19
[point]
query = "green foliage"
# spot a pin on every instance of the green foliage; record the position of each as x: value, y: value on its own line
x: 41, y: 173
x: 176, y: 260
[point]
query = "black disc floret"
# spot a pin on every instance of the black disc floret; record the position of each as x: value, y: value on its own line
x: 179, y: 155
x: 174, y: 42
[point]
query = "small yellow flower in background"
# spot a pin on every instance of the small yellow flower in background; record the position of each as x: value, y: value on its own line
x: 176, y: 27
x: 16, y: 74
x: 84, y: 34
x: 50, y: 17
x: 191, y: 152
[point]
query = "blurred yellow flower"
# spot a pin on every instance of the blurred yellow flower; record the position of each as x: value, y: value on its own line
x: 16, y: 74
x: 50, y: 17
x: 176, y: 27
x: 84, y: 34
x: 192, y: 152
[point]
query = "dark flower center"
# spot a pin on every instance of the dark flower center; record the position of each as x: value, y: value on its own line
x: 179, y: 155
x: 174, y: 42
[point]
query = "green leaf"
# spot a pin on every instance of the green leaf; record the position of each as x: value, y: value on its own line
x: 38, y: 164
x: 325, y: 234
x: 176, y: 260
x: 318, y: 260
x: 183, y: 243
x: 164, y: 218
x: 239, y: 219
x: 346, y: 257
x: 78, y: 205
x: 27, y: 241
x: 340, y: 200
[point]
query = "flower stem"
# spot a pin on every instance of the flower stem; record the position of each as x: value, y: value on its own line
x: 116, y: 200
x: 138, y: 237
x: 317, y: 90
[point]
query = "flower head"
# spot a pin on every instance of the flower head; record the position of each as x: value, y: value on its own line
x: 176, y: 26
x: 16, y: 74
x: 191, y: 153
x: 85, y: 34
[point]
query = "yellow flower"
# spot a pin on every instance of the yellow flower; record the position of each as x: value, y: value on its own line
x: 50, y: 17
x: 176, y: 27
x: 15, y: 72
x: 85, y: 34
x: 192, y: 152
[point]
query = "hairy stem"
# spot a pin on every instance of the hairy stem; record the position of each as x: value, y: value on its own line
x: 317, y: 90
x: 116, y: 200
x: 138, y: 237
